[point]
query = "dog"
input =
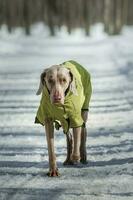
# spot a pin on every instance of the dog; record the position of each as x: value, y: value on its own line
x: 66, y: 91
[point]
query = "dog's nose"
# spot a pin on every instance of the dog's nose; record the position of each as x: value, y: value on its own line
x: 57, y: 96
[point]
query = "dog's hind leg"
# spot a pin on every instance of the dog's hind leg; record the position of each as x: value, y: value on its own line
x: 83, y: 153
x: 69, y: 141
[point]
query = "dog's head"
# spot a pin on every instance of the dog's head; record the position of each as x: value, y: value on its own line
x: 58, y: 80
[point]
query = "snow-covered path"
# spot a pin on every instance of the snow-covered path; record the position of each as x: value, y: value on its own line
x: 23, y: 148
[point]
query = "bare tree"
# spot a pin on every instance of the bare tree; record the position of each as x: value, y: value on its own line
x: 73, y: 14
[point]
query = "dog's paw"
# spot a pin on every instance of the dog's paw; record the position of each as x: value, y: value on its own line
x: 83, y: 158
x: 68, y: 162
x: 84, y: 161
x: 53, y: 173
x: 75, y: 158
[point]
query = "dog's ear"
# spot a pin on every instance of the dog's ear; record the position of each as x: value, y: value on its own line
x: 42, y: 83
x: 73, y: 88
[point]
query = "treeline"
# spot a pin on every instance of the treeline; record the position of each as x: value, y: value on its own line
x: 71, y: 13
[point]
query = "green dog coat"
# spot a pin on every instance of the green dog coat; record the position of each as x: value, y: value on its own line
x: 69, y: 114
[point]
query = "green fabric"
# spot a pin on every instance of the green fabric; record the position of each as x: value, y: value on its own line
x: 69, y: 114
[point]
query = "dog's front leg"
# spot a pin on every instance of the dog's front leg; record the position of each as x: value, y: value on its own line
x: 77, y: 141
x: 49, y: 128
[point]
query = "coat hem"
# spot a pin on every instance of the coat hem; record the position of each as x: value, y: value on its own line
x: 38, y: 122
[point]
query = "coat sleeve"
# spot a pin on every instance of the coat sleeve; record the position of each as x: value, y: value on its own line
x: 76, y: 120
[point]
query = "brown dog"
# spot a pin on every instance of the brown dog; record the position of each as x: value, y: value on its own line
x: 66, y: 92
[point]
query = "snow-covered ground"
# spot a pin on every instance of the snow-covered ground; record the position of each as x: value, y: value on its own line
x: 23, y: 149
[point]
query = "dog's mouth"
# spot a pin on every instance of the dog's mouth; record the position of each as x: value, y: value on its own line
x: 56, y: 100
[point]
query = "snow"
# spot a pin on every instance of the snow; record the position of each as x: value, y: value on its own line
x: 23, y: 147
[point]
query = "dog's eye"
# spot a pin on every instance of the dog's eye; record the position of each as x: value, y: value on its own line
x: 51, y: 81
x: 64, y: 80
